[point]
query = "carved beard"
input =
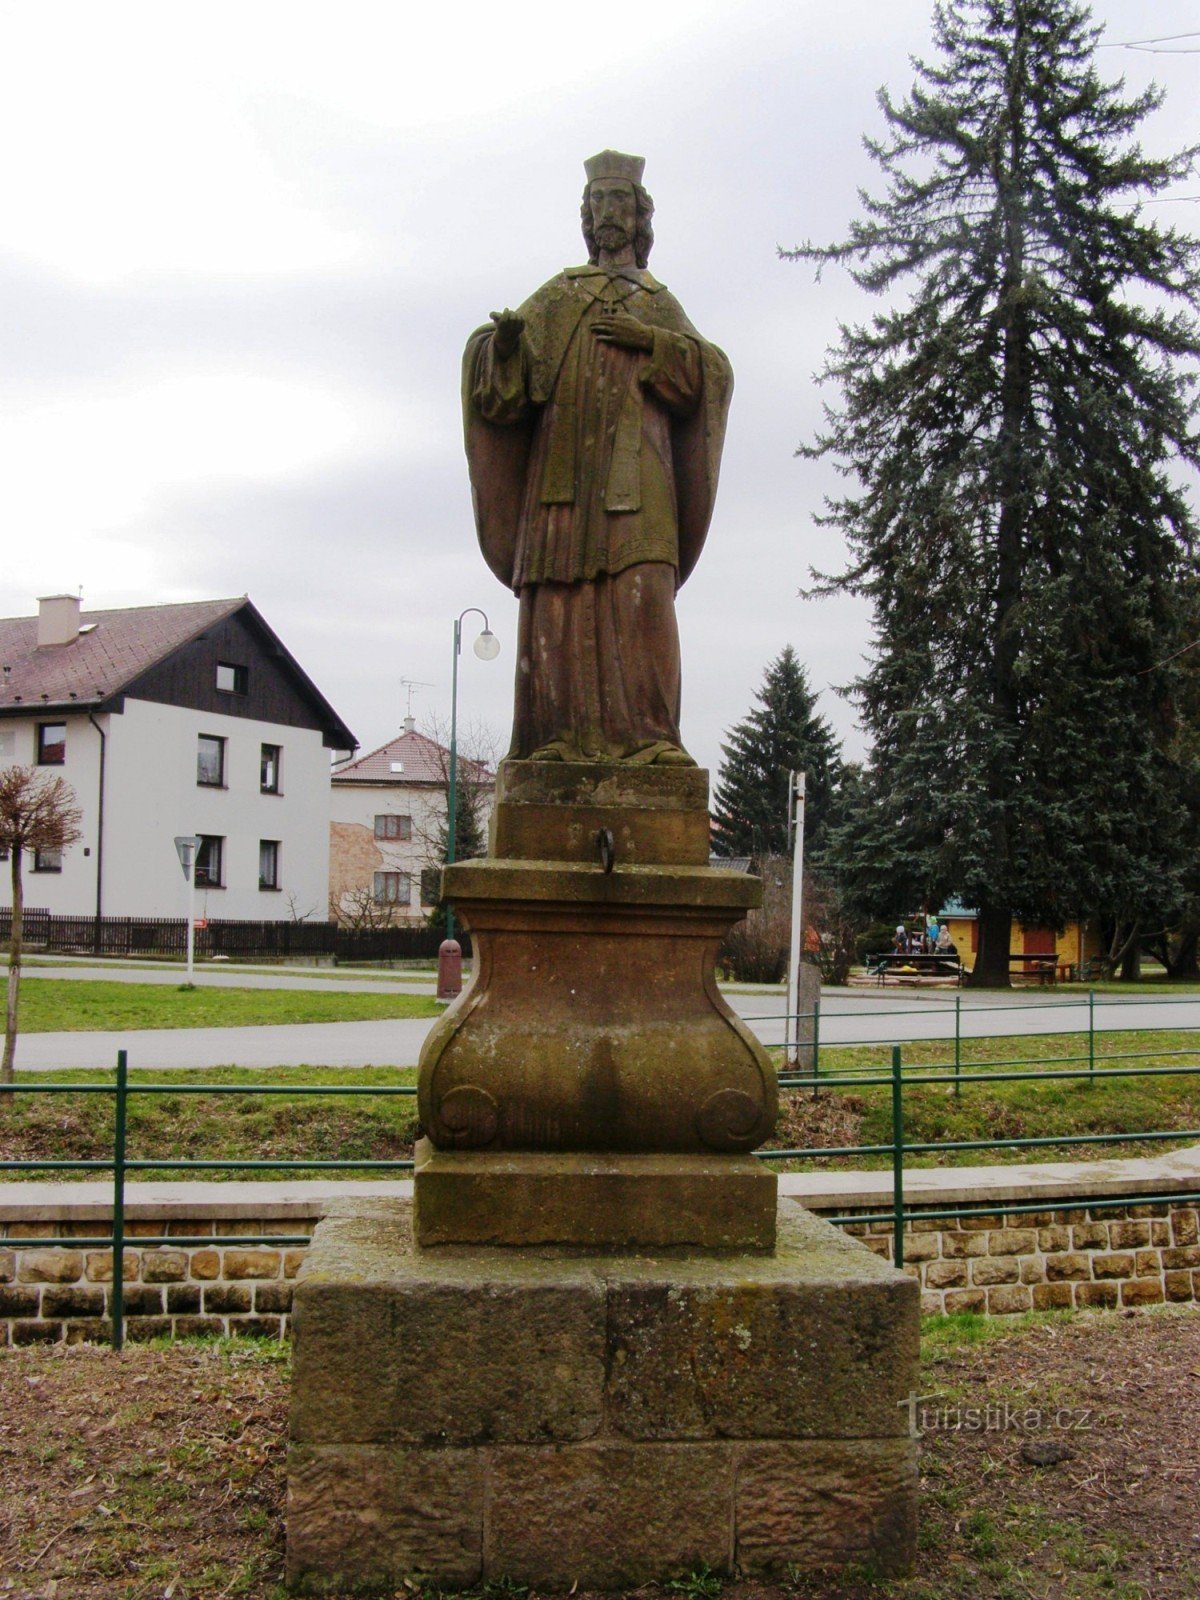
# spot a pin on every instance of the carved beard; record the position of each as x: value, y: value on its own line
x: 611, y: 236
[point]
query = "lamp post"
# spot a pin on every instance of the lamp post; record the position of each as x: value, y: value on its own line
x: 487, y: 648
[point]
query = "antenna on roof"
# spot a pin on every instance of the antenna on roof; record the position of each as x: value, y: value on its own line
x: 410, y: 684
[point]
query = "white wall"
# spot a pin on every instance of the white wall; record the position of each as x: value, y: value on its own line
x: 151, y: 794
x: 73, y: 890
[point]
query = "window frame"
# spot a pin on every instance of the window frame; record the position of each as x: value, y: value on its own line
x: 390, y: 827
x: 240, y: 674
x: 273, y: 884
x: 208, y: 882
x: 275, y: 786
x: 382, y: 878
x: 48, y: 860
x: 43, y: 760
x: 221, y: 742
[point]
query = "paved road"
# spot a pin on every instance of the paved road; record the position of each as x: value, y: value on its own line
x: 320, y: 979
x: 847, y: 1017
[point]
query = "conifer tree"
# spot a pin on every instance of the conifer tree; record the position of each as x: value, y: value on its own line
x: 783, y: 734
x: 1010, y: 429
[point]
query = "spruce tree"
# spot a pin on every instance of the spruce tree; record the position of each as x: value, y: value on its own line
x: 783, y: 734
x: 1010, y: 429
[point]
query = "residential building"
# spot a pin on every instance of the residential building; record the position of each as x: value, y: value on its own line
x: 388, y: 827
x: 172, y: 720
x: 1075, y: 945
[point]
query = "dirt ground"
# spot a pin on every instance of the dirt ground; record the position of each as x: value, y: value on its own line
x: 159, y: 1474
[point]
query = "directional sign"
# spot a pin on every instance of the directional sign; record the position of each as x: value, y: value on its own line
x: 186, y: 845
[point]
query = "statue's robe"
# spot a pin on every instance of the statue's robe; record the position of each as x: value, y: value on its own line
x: 593, y: 470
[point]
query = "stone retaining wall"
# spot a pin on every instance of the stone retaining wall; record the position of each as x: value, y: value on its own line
x: 48, y: 1294
x: 998, y: 1264
x: 1136, y: 1255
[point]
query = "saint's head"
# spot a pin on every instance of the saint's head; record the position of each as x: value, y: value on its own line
x: 616, y: 209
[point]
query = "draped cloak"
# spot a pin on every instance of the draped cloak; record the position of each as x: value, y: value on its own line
x: 593, y: 472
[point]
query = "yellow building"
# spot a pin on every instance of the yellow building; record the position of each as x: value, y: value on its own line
x: 1075, y: 945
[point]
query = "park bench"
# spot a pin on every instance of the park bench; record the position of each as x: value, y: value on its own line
x: 898, y: 964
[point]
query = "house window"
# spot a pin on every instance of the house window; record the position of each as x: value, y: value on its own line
x: 393, y: 827
x: 431, y: 885
x: 8, y: 748
x: 47, y: 860
x: 268, y: 863
x: 210, y: 761
x: 268, y: 768
x: 392, y: 888
x: 51, y: 744
x: 209, y: 860
x: 231, y: 678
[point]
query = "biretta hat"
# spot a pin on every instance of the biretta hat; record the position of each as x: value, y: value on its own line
x: 612, y: 164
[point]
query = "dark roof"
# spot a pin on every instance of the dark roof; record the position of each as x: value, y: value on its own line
x: 423, y: 760
x: 115, y: 648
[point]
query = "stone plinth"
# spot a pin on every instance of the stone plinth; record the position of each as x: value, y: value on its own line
x: 555, y: 1416
x: 593, y: 1021
x: 596, y: 1201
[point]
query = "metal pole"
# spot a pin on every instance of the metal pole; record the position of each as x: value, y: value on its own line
x: 796, y: 783
x: 816, y: 1043
x: 897, y: 1159
x: 957, y: 1043
x: 1091, y: 1036
x: 452, y: 797
x: 117, y: 1302
x: 191, y: 914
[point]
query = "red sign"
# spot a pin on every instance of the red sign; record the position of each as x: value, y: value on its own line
x: 201, y: 922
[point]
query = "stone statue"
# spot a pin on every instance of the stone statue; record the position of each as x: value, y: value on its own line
x: 595, y: 416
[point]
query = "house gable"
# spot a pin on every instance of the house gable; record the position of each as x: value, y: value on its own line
x: 267, y: 685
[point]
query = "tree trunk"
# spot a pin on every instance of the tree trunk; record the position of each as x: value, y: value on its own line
x: 1186, y: 961
x: 1131, y: 959
x: 991, y: 970
x: 14, y: 967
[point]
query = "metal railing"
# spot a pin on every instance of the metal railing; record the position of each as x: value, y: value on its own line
x: 1089, y: 1065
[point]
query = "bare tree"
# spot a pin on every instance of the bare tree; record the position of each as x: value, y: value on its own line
x: 37, y: 812
x: 360, y: 912
x: 478, y: 757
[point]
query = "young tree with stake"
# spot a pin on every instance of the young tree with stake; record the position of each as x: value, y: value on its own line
x: 37, y: 812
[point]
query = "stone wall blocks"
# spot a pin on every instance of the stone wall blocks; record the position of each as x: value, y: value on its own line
x: 252, y: 1263
x: 19, y: 1301
x: 1052, y: 1296
x: 1142, y: 1292
x: 1008, y: 1298
x: 1095, y: 1295
x: 164, y: 1266
x: 141, y: 1300
x: 966, y: 1300
x: 273, y: 1297
x: 1033, y: 1269
x: 1071, y: 1266
x: 99, y: 1266
x: 1185, y: 1227
x: 49, y: 1266
x: 226, y: 1298
x: 921, y: 1246
x: 1054, y: 1238
x: 946, y: 1274
x: 37, y: 1332
x: 1182, y: 1256
x: 1128, y: 1235
x: 1012, y: 1242
x: 1090, y: 1236
x: 1113, y: 1266
x: 8, y: 1265
x: 994, y: 1269
x: 206, y: 1264
x: 959, y: 1243
x: 140, y: 1330
x: 72, y: 1301
x: 183, y: 1298
x: 1178, y: 1285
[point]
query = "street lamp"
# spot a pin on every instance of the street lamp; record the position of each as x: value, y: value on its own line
x: 487, y: 648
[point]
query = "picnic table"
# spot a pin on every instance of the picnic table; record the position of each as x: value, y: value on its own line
x: 907, y: 964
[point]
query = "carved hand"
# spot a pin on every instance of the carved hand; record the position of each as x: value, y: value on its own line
x: 621, y: 329
x: 508, y: 332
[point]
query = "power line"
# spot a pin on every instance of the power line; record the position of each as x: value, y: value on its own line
x: 1135, y: 44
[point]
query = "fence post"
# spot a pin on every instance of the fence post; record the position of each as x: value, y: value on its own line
x: 1091, y: 1036
x: 117, y: 1304
x: 957, y: 1044
x: 897, y: 1159
x: 816, y: 1041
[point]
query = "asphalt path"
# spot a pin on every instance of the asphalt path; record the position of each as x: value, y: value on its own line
x: 847, y: 1017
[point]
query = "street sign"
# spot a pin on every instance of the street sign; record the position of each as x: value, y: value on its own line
x: 186, y: 845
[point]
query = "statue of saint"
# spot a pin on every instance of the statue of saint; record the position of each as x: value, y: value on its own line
x: 595, y: 416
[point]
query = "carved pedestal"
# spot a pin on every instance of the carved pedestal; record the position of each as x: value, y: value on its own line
x: 595, y: 1349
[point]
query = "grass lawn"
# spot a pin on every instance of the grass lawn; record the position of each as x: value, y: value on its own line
x: 1037, y: 1108
x: 162, y: 1471
x: 71, y: 1005
x: 364, y: 1127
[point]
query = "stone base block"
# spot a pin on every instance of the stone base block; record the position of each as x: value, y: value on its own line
x: 553, y: 1417
x: 599, y: 1202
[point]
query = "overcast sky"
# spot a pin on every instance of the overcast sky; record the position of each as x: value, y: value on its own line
x: 242, y: 245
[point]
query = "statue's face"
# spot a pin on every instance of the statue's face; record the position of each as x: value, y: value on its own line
x: 614, y: 212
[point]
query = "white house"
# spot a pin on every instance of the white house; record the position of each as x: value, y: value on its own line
x: 387, y: 827
x: 166, y: 720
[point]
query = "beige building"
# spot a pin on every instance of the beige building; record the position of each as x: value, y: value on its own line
x: 387, y: 822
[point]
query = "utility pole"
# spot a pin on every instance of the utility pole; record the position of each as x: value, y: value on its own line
x: 791, y: 1032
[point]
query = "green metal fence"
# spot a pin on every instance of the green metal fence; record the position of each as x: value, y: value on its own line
x: 1095, y: 1067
